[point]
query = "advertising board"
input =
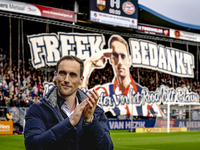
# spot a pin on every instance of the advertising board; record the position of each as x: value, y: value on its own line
x: 121, y: 13
x: 6, y: 127
x: 37, y: 10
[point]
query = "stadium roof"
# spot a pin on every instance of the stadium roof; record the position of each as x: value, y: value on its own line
x: 178, y: 14
x: 181, y: 13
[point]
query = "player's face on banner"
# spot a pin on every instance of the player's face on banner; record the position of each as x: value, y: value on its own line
x: 120, y: 59
x: 68, y: 77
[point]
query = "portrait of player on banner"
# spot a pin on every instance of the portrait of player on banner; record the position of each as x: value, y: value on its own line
x: 122, y: 84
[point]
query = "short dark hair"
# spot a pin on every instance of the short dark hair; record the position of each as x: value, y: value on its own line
x: 120, y: 39
x: 70, y: 57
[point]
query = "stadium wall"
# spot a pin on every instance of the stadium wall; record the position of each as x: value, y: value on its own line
x: 126, y: 124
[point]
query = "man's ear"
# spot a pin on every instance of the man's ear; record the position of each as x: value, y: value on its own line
x: 81, y: 81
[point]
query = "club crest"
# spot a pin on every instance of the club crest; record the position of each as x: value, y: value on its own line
x: 101, y: 4
x: 128, y: 8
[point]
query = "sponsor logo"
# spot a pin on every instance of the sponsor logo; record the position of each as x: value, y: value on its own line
x: 95, y: 14
x: 4, y: 127
x: 166, y: 32
x: 101, y: 4
x: 185, y: 35
x: 148, y: 29
x: 31, y: 9
x: 123, y: 125
x: 177, y: 34
x: 128, y: 8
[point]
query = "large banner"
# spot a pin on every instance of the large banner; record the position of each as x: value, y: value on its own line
x: 122, y: 96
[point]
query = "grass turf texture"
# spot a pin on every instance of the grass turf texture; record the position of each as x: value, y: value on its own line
x: 12, y: 142
x: 124, y: 140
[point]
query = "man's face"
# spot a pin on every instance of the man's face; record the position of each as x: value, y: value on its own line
x: 120, y: 59
x: 68, y: 78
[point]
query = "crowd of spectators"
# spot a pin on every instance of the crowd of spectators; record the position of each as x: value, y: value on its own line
x: 22, y: 88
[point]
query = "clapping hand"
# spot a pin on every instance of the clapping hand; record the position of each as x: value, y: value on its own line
x: 90, y: 107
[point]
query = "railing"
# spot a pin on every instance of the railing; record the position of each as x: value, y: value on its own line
x: 17, y: 112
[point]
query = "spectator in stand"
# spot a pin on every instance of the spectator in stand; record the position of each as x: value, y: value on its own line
x: 33, y: 93
x: 35, y: 99
x: 16, y: 90
x: 15, y: 82
x: 40, y: 96
x: 1, y: 76
x: 16, y: 101
x: 35, y: 89
x: 10, y: 100
x: 24, y: 94
x: 34, y: 81
x: 9, y: 116
x: 12, y: 76
x: 30, y: 100
x: 24, y: 83
x: 22, y: 89
x: 11, y: 87
x: 2, y: 90
x: 29, y: 86
x: 19, y: 80
x: 2, y: 97
x: 40, y: 91
x: 26, y: 101
x: 29, y: 78
x: 7, y: 77
x: 1, y: 100
x: 27, y: 91
x: 15, y: 74
x: 21, y: 100
x: 7, y: 101
x: 4, y: 81
x: 39, y: 85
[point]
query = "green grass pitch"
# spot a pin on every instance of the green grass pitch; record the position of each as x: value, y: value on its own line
x: 12, y: 142
x: 124, y: 140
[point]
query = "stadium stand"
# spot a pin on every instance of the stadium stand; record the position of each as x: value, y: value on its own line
x: 25, y: 88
